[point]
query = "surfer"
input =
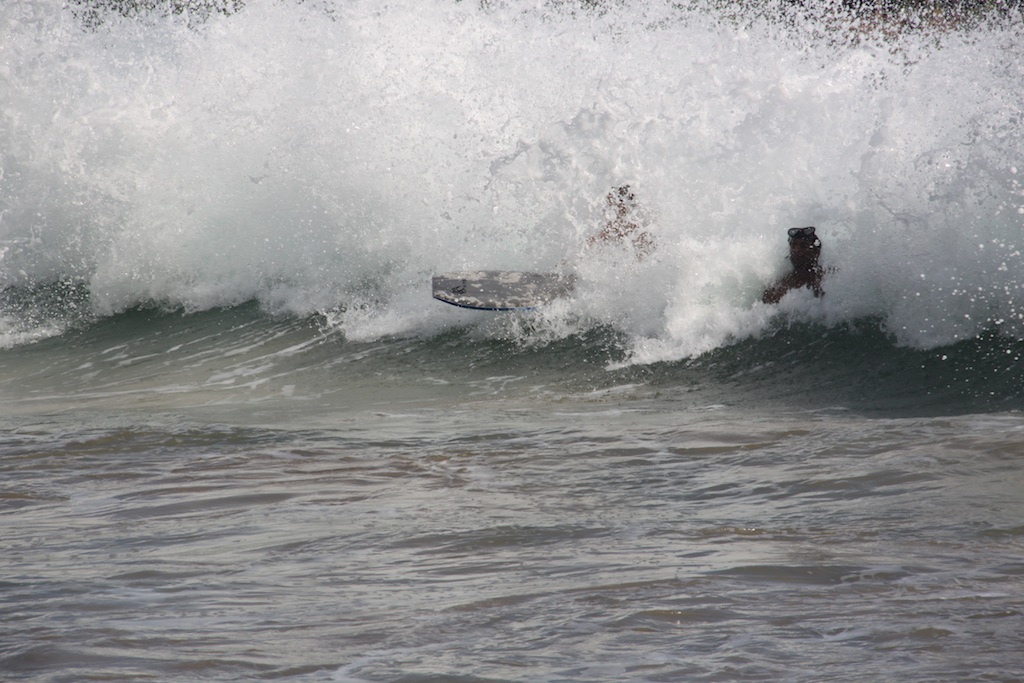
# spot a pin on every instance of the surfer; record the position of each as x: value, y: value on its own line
x: 623, y: 223
x: 804, y: 250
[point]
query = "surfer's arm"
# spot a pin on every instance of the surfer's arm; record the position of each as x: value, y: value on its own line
x: 774, y: 294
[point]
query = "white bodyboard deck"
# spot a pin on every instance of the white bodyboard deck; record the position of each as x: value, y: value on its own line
x: 500, y: 290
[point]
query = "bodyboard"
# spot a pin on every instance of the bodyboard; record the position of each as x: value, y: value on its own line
x: 500, y: 290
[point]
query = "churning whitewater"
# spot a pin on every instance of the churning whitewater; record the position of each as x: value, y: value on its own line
x: 320, y: 156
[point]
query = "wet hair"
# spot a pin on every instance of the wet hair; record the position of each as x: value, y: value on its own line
x: 804, y: 236
x: 621, y: 194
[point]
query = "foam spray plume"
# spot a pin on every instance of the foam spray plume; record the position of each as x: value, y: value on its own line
x: 315, y: 156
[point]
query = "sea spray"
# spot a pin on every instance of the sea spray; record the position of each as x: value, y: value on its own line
x: 328, y: 157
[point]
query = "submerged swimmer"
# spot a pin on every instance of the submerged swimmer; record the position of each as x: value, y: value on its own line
x: 804, y: 250
x: 624, y: 223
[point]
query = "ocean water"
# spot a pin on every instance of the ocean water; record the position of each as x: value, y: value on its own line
x: 240, y: 441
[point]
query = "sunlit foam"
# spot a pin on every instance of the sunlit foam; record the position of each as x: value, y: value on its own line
x: 322, y: 155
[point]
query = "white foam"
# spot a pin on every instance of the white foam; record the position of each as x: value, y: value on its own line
x: 310, y: 155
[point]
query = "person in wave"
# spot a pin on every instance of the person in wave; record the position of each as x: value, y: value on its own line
x: 804, y: 250
x: 624, y: 223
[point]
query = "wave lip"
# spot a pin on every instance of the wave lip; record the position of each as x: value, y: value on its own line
x: 163, y: 160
